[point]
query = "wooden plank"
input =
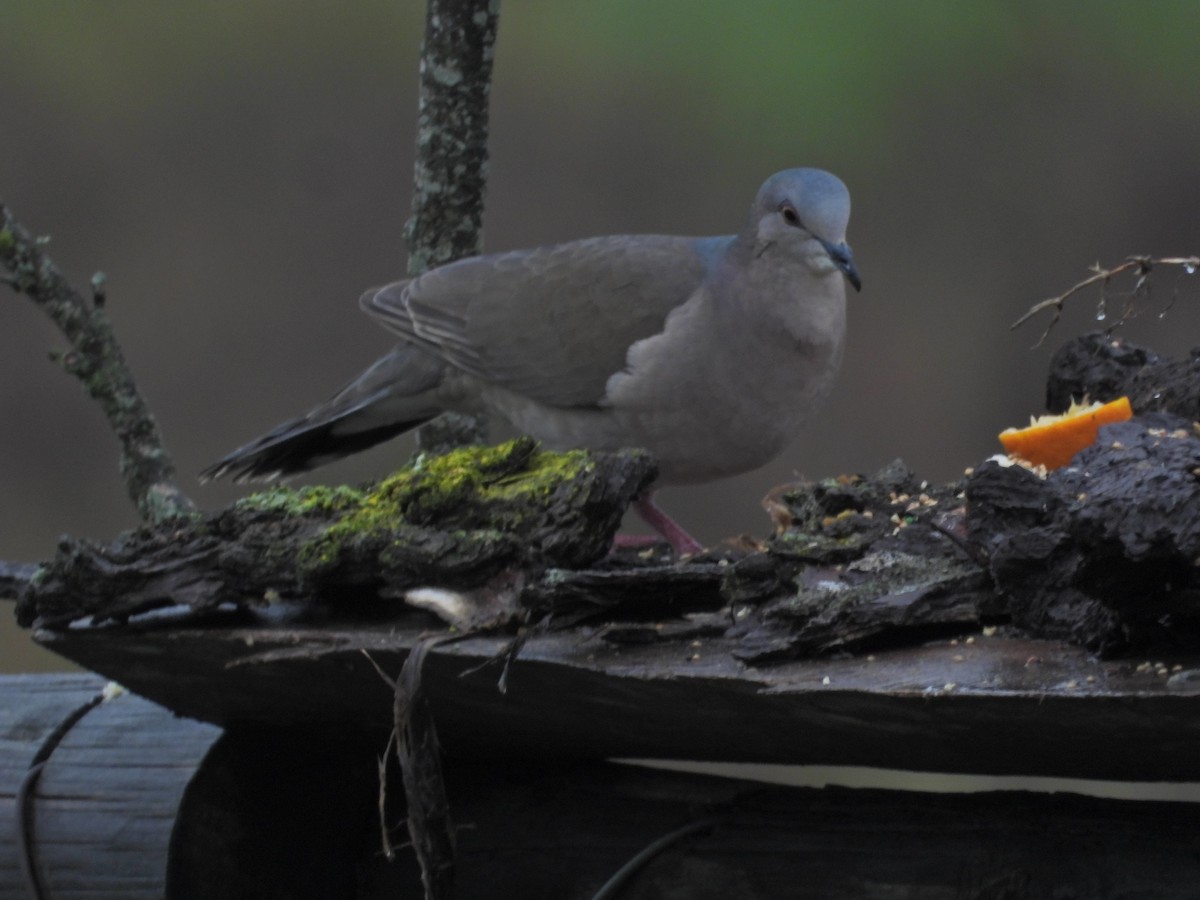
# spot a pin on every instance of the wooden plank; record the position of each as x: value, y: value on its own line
x: 997, y: 705
x: 104, y: 804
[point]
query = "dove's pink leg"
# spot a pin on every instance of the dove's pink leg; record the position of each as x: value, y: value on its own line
x: 681, y: 542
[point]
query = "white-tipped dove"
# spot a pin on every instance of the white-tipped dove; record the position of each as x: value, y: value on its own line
x: 709, y: 352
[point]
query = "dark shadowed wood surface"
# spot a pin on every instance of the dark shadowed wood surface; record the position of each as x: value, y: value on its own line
x: 999, y: 705
x: 743, y: 841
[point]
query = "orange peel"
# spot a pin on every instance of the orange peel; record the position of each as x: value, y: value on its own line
x: 1053, y: 440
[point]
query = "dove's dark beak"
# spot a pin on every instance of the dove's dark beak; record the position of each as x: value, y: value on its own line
x: 844, y: 260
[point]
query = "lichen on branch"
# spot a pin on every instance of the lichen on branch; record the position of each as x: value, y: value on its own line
x: 450, y: 172
x: 96, y: 359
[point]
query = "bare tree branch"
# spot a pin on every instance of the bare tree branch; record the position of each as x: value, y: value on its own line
x: 95, y: 358
x: 450, y: 175
x: 1141, y: 265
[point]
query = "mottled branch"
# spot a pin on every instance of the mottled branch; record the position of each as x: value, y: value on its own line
x: 95, y: 358
x: 450, y: 175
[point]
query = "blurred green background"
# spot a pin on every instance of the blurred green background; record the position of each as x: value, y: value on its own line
x: 241, y: 173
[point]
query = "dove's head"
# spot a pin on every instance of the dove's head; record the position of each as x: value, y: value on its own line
x: 801, y: 215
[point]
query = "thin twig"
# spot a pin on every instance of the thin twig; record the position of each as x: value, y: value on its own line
x: 385, y: 837
x: 389, y: 852
x: 1143, y: 266
x: 97, y: 361
x: 506, y: 656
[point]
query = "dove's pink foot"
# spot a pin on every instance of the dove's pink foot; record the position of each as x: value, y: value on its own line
x: 681, y: 542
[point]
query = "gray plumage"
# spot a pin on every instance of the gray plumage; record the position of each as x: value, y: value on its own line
x: 709, y: 352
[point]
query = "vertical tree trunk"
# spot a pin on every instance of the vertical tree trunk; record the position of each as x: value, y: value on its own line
x: 450, y: 175
x: 452, y: 125
x: 449, y: 182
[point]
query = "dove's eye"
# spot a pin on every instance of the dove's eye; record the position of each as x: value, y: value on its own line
x: 790, y: 215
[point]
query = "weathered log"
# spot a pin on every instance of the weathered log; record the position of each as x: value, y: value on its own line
x: 494, y: 537
x: 1103, y: 551
x: 1104, y: 366
x: 457, y: 521
x: 1100, y: 552
x: 89, y: 787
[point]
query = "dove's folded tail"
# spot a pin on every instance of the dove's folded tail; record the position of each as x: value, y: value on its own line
x: 393, y: 396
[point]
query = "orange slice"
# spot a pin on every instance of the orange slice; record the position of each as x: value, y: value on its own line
x: 1052, y: 441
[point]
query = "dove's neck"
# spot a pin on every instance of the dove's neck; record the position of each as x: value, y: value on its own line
x: 715, y: 251
x: 781, y: 295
